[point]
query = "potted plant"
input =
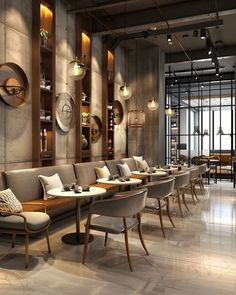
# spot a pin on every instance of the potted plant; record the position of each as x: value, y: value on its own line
x: 85, y: 118
x: 44, y: 37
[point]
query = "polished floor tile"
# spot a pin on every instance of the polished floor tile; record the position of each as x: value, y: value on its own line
x: 197, y: 257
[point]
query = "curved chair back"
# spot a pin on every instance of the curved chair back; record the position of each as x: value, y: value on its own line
x: 193, y: 173
x: 121, y: 205
x: 161, y: 188
x: 182, y: 179
x: 202, y: 169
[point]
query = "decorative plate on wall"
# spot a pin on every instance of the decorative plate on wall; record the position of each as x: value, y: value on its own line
x: 14, y: 86
x: 65, y: 112
x: 118, y: 112
x: 96, y: 128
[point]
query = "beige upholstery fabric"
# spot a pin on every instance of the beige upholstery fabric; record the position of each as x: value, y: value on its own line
x: 9, y: 202
x: 102, y: 172
x: 2, y: 182
x: 124, y: 170
x: 130, y: 162
x: 85, y: 172
x: 26, y: 185
x: 35, y: 221
x: 112, y: 166
x: 142, y: 165
x: 50, y: 182
x: 137, y: 158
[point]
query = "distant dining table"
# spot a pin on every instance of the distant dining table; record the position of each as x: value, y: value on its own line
x: 121, y: 182
x: 156, y: 173
x: 77, y: 238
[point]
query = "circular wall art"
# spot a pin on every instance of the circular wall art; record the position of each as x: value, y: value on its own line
x: 118, y: 112
x: 65, y: 112
x: 96, y: 128
x: 14, y: 86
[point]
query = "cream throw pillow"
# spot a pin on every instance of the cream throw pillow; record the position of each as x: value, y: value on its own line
x: 136, y: 159
x: 50, y: 182
x: 9, y: 202
x: 142, y: 165
x: 102, y: 172
x: 124, y: 169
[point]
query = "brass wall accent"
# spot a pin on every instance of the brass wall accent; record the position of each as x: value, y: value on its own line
x: 14, y: 86
x: 118, y: 112
x: 65, y: 112
x: 96, y: 128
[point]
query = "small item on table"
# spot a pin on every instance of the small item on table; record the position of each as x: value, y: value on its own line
x: 67, y: 187
x: 122, y: 179
x: 111, y: 177
x: 85, y: 188
x: 127, y: 178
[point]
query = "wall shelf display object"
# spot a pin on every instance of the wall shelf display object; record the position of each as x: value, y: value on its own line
x: 118, y: 112
x: 83, y: 91
x: 96, y: 128
x: 108, y: 102
x: 136, y: 118
x: 14, y: 86
x: 43, y: 84
x: 65, y: 112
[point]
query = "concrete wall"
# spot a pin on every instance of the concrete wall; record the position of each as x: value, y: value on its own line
x: 146, y: 76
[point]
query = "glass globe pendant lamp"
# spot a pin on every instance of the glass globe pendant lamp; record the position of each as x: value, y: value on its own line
x: 153, y: 104
x: 125, y: 91
x: 77, y: 69
x: 169, y: 111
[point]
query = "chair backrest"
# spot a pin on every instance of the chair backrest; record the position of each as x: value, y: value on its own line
x: 161, y: 188
x: 121, y: 204
x: 112, y: 166
x: 130, y: 162
x: 194, y: 173
x: 25, y: 183
x: 202, y: 168
x: 85, y: 172
x: 181, y: 179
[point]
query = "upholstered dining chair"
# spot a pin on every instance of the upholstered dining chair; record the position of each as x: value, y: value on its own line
x: 193, y: 180
x: 203, y: 170
x: 181, y: 182
x: 26, y: 223
x: 117, y: 215
x: 158, y: 198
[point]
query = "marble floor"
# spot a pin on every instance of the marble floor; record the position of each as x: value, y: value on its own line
x: 197, y: 257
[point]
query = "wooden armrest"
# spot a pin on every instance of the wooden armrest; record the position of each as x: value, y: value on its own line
x: 36, y: 204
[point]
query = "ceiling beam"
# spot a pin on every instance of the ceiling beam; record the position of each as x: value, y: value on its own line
x: 165, y: 13
x: 90, y: 6
x: 226, y: 51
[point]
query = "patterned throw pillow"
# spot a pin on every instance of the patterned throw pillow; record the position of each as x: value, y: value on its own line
x: 9, y: 202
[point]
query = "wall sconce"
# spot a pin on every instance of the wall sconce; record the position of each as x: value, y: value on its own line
x: 153, y: 105
x: 136, y: 118
x: 77, y: 69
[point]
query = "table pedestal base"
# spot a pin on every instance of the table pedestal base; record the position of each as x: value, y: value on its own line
x: 75, y: 239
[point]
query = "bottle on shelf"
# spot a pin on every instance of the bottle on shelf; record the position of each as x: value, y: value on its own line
x: 44, y: 140
x: 41, y: 140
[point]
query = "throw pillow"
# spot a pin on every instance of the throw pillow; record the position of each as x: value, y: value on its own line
x: 50, y: 182
x: 9, y: 202
x: 124, y: 169
x: 142, y: 165
x: 102, y: 172
x: 136, y: 159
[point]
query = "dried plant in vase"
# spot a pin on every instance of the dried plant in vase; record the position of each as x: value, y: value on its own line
x: 44, y: 37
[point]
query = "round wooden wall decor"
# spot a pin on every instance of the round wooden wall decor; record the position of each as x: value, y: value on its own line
x: 65, y: 112
x: 14, y: 86
x: 118, y: 112
x: 96, y: 128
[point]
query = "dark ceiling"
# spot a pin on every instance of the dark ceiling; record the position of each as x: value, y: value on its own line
x: 132, y: 19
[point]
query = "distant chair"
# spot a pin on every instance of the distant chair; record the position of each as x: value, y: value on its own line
x: 25, y: 223
x: 117, y: 215
x: 181, y: 181
x: 193, y: 180
x: 158, y: 198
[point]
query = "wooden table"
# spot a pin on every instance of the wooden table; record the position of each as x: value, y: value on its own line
x: 156, y: 173
x: 77, y: 238
x: 132, y: 181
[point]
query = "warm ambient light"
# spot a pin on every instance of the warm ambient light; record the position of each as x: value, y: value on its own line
x: 136, y: 118
x: 77, y: 69
x: 45, y: 15
x: 153, y: 104
x: 169, y: 112
x: 125, y: 92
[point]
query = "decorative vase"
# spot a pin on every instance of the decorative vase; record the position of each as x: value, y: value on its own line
x: 84, y: 142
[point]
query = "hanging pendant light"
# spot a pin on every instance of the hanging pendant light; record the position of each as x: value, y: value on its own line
x: 220, y: 131
x: 169, y: 111
x: 153, y: 105
x: 125, y: 91
x: 77, y: 69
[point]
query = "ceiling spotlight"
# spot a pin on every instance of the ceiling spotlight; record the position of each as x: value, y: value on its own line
x: 202, y: 86
x: 217, y: 72
x: 212, y: 61
x: 195, y: 33
x: 203, y: 34
x: 153, y: 28
x: 169, y: 39
x: 196, y: 78
x: 209, y: 46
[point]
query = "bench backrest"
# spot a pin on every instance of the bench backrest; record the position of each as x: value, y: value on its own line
x: 112, y: 166
x: 2, y: 182
x: 130, y: 162
x: 85, y: 172
x: 26, y: 185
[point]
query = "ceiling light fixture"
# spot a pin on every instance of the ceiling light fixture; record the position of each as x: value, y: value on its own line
x: 77, y: 69
x: 220, y: 131
x: 169, y: 111
x: 169, y: 39
x: 195, y: 33
x: 153, y: 105
x: 203, y: 33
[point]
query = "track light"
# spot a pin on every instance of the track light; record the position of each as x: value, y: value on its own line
x: 169, y: 39
x: 203, y: 33
x: 212, y: 61
x: 217, y: 72
x: 195, y: 33
x: 209, y: 46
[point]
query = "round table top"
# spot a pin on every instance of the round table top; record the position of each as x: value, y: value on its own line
x: 170, y: 169
x: 93, y: 192
x: 156, y: 173
x: 118, y: 182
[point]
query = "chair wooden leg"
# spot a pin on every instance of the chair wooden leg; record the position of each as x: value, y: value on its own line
x: 127, y: 244
x: 179, y: 203
x: 26, y: 250
x: 48, y: 242
x: 192, y: 192
x: 86, y: 238
x: 13, y: 240
x: 160, y: 217
x: 168, y: 210
x: 184, y: 201
x: 195, y: 194
x: 105, y: 242
x: 140, y: 233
